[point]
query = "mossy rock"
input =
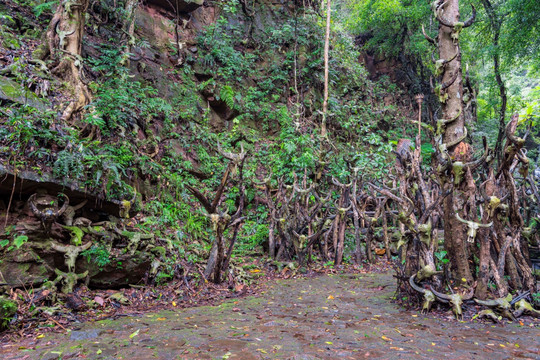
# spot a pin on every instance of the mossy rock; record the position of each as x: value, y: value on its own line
x: 8, y: 309
x: 159, y: 251
x: 40, y: 52
x: 181, y: 6
x: 24, y: 267
x: 122, y: 270
x: 11, y: 91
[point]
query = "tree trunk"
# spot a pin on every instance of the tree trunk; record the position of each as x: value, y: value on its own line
x: 220, y: 250
x: 481, y: 291
x: 454, y: 232
x: 326, y: 65
x: 342, y: 224
x: 495, y: 24
x: 357, y: 238
x: 271, y: 239
x: 129, y: 28
x: 385, y: 232
x: 64, y: 37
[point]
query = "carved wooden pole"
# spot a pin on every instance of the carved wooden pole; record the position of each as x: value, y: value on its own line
x: 450, y: 93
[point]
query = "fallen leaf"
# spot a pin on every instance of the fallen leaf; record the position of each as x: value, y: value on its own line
x: 99, y: 300
x: 386, y: 338
x: 161, y: 319
x: 329, y: 342
x: 330, y: 297
x: 254, y: 270
x: 134, y: 334
x: 174, y: 303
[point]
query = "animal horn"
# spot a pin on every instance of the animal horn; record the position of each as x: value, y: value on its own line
x: 428, y: 38
x: 467, y: 23
x: 414, y: 286
x: 488, y: 303
x: 486, y: 225
x: 33, y: 206
x: 470, y: 295
x: 132, y: 201
x: 452, y: 58
x: 226, y: 155
x: 460, y: 219
x: 64, y: 205
x: 449, y: 83
x: 470, y: 20
x: 440, y: 295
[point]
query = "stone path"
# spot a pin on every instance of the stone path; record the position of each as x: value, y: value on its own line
x: 327, y: 317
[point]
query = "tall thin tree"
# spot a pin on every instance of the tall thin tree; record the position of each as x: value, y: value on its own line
x: 326, y: 66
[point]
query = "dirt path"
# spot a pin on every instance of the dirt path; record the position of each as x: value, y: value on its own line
x: 328, y: 317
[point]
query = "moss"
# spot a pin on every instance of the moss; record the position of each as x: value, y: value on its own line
x: 12, y: 91
x: 9, y: 89
x: 159, y: 251
x: 8, y: 309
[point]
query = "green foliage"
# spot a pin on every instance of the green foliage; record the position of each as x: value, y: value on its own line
x: 536, y: 297
x: 520, y: 37
x: 98, y: 255
x: 27, y: 132
x: 392, y: 26
x: 227, y: 95
x: 19, y: 240
x: 8, y: 309
x: 442, y: 259
x: 254, y: 234
x: 76, y: 233
x: 121, y: 103
x: 44, y: 7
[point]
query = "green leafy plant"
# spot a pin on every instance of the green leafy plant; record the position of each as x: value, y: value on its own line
x: 227, y: 95
x: 98, y: 255
x: 44, y: 7
x: 19, y: 240
x: 441, y: 256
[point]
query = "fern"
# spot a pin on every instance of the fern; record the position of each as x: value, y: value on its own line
x: 68, y: 164
x: 227, y: 95
x: 45, y: 7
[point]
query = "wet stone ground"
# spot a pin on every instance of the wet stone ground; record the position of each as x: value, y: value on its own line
x: 327, y: 317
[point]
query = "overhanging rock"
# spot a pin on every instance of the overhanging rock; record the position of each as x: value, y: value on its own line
x: 27, y: 182
x: 182, y: 6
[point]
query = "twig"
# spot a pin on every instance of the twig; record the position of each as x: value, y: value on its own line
x: 10, y: 198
